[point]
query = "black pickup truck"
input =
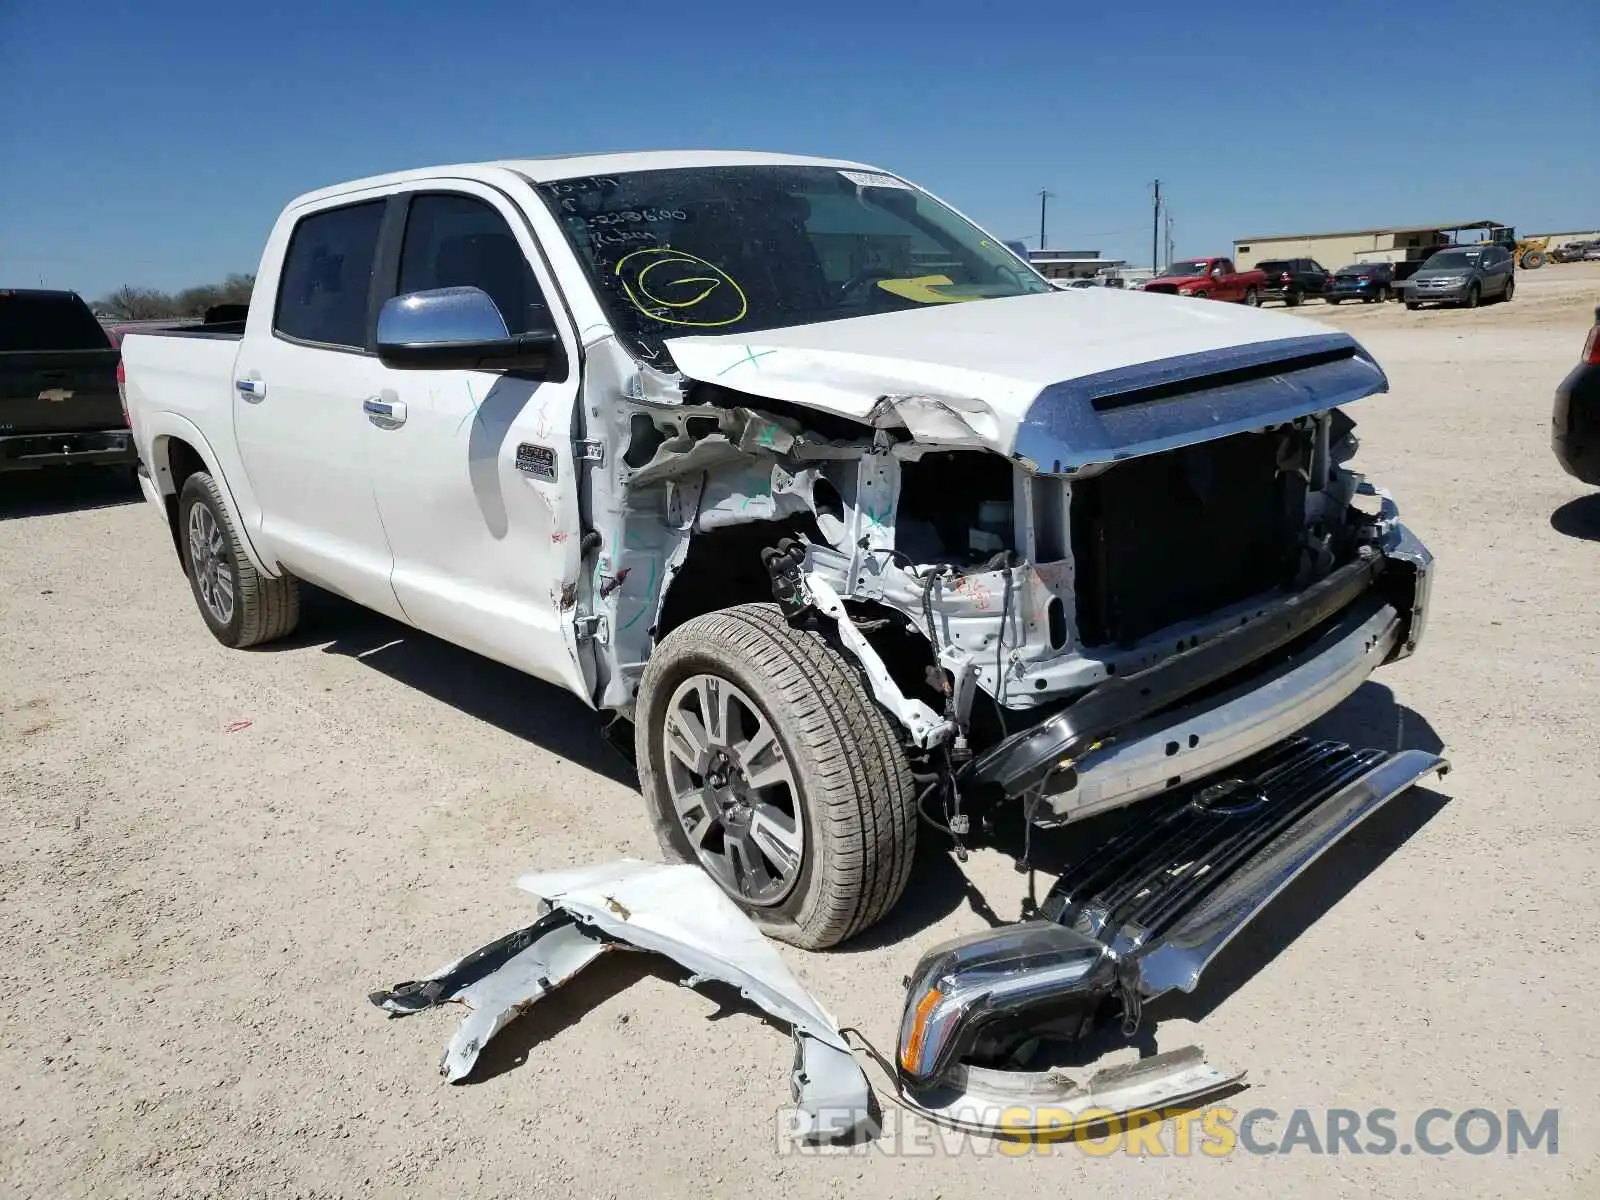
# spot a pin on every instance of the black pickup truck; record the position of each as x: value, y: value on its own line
x: 59, y: 401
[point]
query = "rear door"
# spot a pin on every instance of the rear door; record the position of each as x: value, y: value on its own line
x: 58, y: 368
x: 1504, y: 267
x: 305, y: 367
x: 475, y: 473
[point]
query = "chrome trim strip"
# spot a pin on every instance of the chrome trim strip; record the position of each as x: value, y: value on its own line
x: 1186, y: 950
x: 987, y: 1101
x: 1219, y: 732
x: 1064, y: 432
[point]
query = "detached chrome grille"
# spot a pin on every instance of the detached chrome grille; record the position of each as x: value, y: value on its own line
x: 1137, y: 886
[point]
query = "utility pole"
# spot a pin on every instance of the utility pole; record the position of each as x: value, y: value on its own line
x: 1155, y: 232
x: 1043, y: 196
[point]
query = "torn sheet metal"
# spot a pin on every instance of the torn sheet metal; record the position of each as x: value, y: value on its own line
x: 946, y: 422
x: 925, y: 727
x: 1053, y: 1103
x: 675, y: 910
x: 496, y: 983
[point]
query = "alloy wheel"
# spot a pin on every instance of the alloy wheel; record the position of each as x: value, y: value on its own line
x: 208, y: 556
x: 734, y: 790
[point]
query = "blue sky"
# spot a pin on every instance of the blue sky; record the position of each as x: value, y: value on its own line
x: 154, y: 143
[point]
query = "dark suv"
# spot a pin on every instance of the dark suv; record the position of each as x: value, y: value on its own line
x: 1575, y: 425
x: 1293, y: 279
x: 1367, y: 282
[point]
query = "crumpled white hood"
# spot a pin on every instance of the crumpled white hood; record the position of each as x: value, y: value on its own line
x: 987, y: 359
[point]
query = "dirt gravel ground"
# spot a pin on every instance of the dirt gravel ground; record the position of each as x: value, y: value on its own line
x: 191, y: 918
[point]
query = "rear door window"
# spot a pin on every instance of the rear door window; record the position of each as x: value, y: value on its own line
x: 48, y: 321
x: 453, y: 240
x: 327, y: 276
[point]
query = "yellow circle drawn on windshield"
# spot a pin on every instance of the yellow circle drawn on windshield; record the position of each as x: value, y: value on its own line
x: 679, y: 288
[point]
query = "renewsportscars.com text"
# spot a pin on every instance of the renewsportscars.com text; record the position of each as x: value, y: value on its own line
x: 1214, y: 1132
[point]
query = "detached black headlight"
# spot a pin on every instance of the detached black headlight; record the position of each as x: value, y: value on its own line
x: 963, y: 989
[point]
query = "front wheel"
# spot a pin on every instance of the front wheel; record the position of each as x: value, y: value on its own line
x: 762, y: 758
x: 1412, y: 305
x: 1472, y: 297
x: 1511, y: 290
x: 241, y: 606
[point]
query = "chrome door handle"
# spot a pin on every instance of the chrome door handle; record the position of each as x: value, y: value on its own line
x: 384, y: 412
x: 251, y: 389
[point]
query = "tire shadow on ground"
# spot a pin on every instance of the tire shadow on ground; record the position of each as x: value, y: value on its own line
x: 1578, y: 518
x: 53, y: 491
x: 527, y: 708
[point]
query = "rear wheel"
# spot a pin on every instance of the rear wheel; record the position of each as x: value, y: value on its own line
x: 1413, y: 305
x: 762, y: 758
x: 241, y: 606
x: 1332, y: 299
x: 1294, y: 299
x: 1252, y: 298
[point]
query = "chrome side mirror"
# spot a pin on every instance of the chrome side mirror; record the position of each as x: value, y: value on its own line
x: 460, y: 328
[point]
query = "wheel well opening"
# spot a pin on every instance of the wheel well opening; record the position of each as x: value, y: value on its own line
x: 182, y: 461
x: 723, y: 568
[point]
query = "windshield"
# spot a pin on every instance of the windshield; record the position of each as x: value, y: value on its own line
x: 1272, y: 267
x: 1193, y: 266
x: 1452, y: 258
x: 1362, y: 269
x: 708, y: 250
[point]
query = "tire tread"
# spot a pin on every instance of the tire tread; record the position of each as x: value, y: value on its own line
x: 269, y: 606
x: 858, y: 781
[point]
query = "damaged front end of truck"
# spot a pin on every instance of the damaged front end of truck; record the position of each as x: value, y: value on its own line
x: 1133, y: 592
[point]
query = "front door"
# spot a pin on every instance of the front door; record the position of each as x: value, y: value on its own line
x: 298, y: 392
x: 1224, y: 282
x: 474, y: 470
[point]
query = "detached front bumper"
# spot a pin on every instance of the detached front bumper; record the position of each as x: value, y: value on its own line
x: 1140, y: 915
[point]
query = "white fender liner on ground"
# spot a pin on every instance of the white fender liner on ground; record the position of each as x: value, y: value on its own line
x: 673, y: 910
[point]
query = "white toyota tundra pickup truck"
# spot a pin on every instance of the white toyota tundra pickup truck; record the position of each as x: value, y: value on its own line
x: 860, y: 522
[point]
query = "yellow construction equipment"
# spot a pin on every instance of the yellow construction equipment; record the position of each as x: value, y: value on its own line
x: 1529, y: 253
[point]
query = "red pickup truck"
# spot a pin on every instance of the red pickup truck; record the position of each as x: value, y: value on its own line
x: 1210, y: 279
